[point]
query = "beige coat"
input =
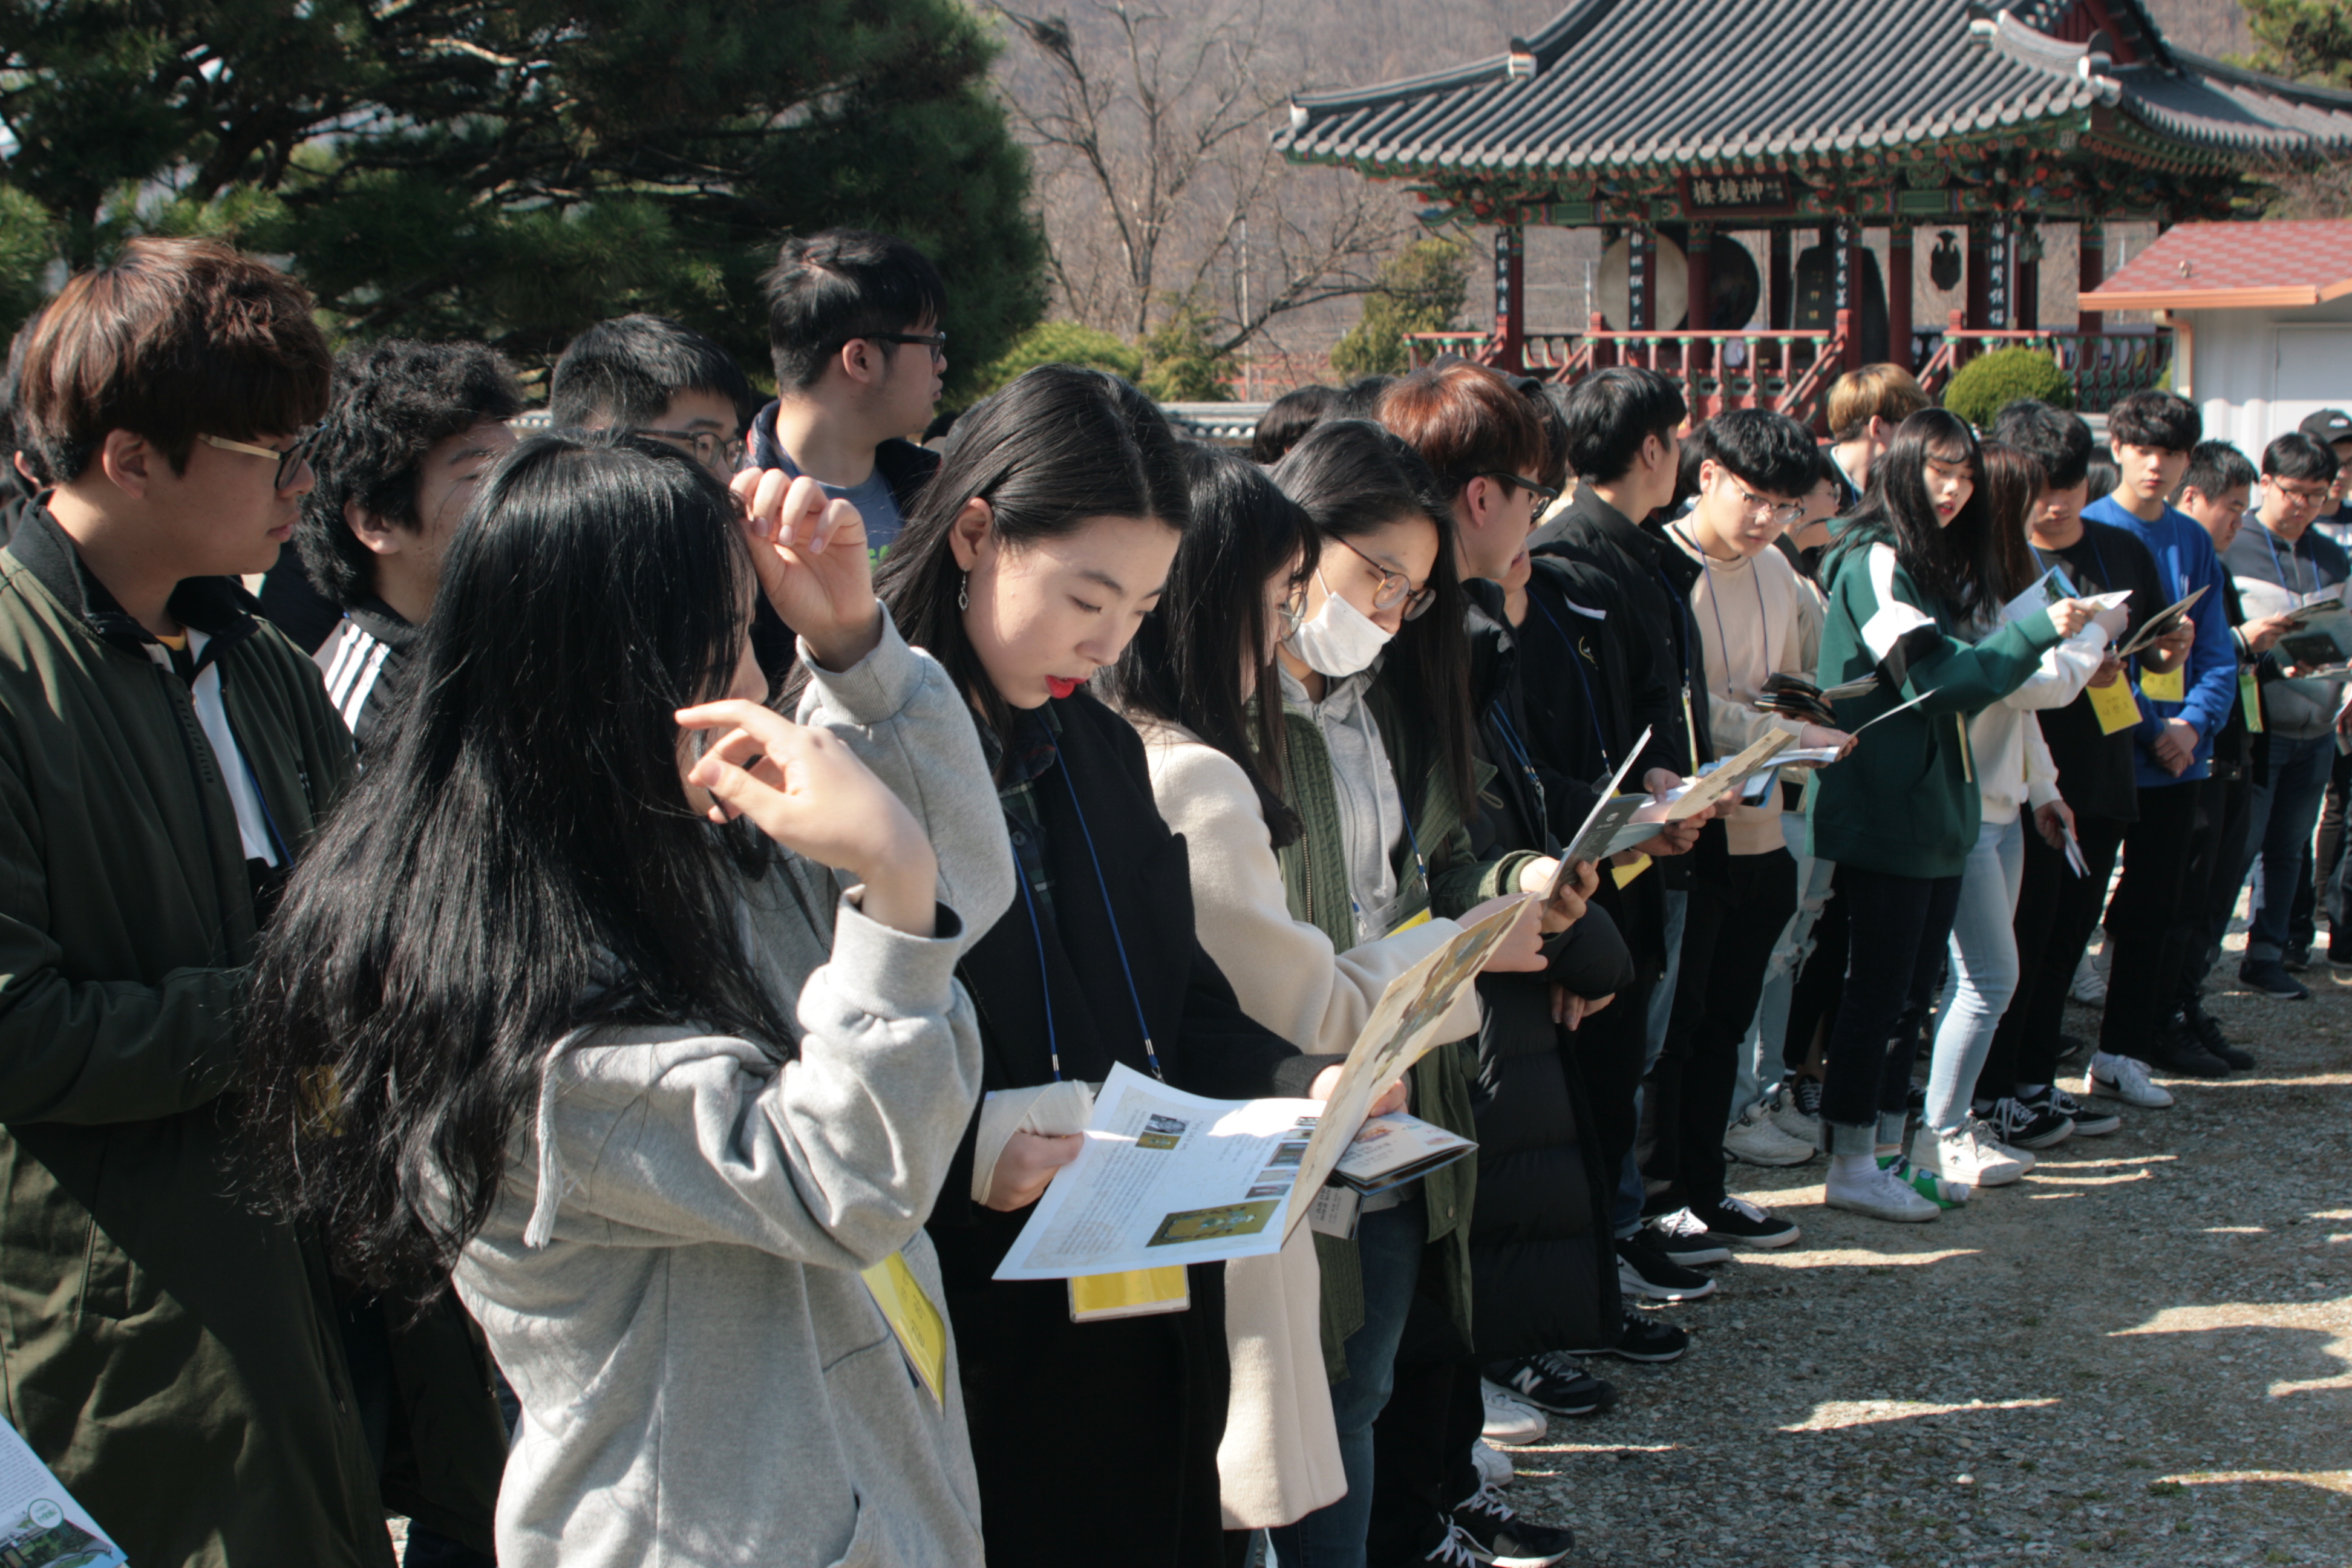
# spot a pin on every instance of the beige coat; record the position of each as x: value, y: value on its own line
x: 1280, y: 1458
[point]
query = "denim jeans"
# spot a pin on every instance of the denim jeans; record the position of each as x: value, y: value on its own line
x: 1897, y: 927
x: 1984, y: 970
x: 1388, y: 1248
x: 1766, y: 1047
x: 2279, y: 824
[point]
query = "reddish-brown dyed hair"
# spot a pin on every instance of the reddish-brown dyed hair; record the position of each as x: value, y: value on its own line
x: 177, y: 338
x: 1465, y: 420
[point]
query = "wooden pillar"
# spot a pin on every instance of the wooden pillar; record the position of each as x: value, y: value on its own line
x: 2028, y: 276
x: 1702, y: 278
x: 1979, y: 273
x: 1781, y: 282
x: 1900, y: 270
x: 2093, y: 242
x: 1511, y: 297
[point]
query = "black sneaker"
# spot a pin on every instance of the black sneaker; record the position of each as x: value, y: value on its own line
x: 2092, y: 1118
x: 1552, y: 1382
x: 2269, y: 977
x: 2208, y: 1033
x: 1685, y: 1238
x: 2072, y: 1047
x: 2174, y: 1052
x: 1645, y: 1339
x: 2022, y: 1126
x: 1458, y: 1550
x: 1643, y: 1270
x: 1506, y: 1539
x: 1743, y: 1223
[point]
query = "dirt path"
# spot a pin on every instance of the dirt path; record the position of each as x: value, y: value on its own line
x: 2142, y: 1354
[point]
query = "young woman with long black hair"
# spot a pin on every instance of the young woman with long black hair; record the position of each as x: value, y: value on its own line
x: 1910, y: 576
x: 653, y: 1083
x: 1030, y: 561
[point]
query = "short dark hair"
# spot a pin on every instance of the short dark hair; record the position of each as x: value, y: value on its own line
x: 176, y: 338
x: 1769, y: 450
x: 2164, y: 421
x: 2296, y: 455
x: 2217, y: 465
x: 1360, y: 398
x: 1690, y: 456
x: 393, y: 401
x: 831, y: 288
x: 625, y: 371
x: 1612, y: 411
x: 1289, y: 418
x: 2058, y: 440
x: 1467, y: 420
x: 12, y: 421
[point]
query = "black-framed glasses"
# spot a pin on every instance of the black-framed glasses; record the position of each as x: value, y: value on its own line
x: 1396, y: 589
x: 935, y: 342
x: 1785, y: 513
x: 1545, y: 494
x: 707, y: 446
x: 289, y: 462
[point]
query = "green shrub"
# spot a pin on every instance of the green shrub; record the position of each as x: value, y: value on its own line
x: 1421, y: 289
x: 1064, y: 342
x: 1182, y: 360
x: 1992, y: 382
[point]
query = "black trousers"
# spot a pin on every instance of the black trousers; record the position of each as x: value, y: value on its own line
x: 1612, y: 1046
x: 2234, y: 815
x: 1813, y: 999
x: 1739, y: 904
x: 1897, y: 930
x: 1421, y: 1465
x: 2157, y: 917
x: 2056, y: 912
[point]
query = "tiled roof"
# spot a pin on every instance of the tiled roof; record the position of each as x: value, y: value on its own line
x: 1614, y: 85
x: 2209, y: 266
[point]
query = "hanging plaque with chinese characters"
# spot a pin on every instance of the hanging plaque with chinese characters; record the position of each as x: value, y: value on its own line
x: 1705, y: 195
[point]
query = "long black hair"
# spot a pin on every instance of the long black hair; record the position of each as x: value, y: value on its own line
x: 1058, y: 447
x: 1958, y: 565
x: 1186, y: 662
x: 1354, y: 479
x: 523, y: 862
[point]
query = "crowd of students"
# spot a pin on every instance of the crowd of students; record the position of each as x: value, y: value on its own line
x: 468, y: 1053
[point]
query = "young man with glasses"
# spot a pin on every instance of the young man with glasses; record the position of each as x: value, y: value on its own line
x: 166, y: 755
x: 413, y: 428
x: 650, y: 374
x: 853, y: 329
x: 2280, y: 561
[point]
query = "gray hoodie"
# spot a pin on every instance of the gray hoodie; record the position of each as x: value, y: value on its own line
x: 669, y: 1274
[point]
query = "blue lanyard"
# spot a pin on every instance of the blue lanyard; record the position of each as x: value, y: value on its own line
x: 1413, y: 838
x: 1511, y: 739
x: 1044, y: 975
x: 1576, y: 662
x: 1763, y: 617
x: 1110, y: 914
x: 2270, y: 542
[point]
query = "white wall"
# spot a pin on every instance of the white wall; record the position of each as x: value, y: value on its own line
x: 2258, y: 373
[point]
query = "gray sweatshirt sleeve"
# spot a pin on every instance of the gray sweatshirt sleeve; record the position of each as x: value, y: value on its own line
x: 657, y: 1138
x: 898, y: 711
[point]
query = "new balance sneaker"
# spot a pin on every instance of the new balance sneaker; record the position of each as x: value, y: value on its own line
x: 1684, y: 1237
x: 1796, y: 1105
x: 2022, y: 1126
x: 1644, y: 1339
x: 1880, y: 1195
x: 2090, y: 1120
x: 2124, y: 1078
x: 1643, y: 1270
x: 1508, y: 1420
x: 2269, y: 977
x: 1495, y: 1467
x: 2090, y: 982
x: 1507, y: 1540
x: 1551, y: 1382
x: 1756, y: 1140
x: 2209, y: 1034
x: 1969, y: 1153
x: 1458, y: 1550
x: 1742, y: 1224
x: 1944, y: 1195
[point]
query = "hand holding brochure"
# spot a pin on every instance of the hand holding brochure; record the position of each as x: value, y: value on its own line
x: 2046, y: 590
x: 1395, y: 1149
x: 1719, y: 779
x: 2159, y: 624
x: 40, y: 1522
x: 1609, y: 813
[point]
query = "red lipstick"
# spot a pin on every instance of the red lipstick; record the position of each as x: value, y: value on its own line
x: 1062, y: 686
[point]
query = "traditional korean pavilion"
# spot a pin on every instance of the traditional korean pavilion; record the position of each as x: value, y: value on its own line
x: 1695, y: 134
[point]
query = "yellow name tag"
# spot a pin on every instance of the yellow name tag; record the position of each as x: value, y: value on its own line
x: 1137, y: 1293
x: 1420, y: 919
x: 1625, y: 874
x: 2114, y: 705
x: 914, y: 1319
x: 2250, y: 692
x: 2172, y: 687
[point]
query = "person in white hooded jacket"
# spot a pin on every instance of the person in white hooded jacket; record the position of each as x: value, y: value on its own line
x: 572, y: 996
x: 1955, y: 1147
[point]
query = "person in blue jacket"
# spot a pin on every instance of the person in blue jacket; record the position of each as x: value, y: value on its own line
x: 2168, y: 853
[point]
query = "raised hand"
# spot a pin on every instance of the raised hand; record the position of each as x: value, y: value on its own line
x: 810, y: 551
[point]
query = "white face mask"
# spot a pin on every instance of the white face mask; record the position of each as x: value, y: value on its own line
x: 1338, y: 639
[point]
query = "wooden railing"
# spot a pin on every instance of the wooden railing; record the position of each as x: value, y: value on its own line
x: 2106, y: 367
x: 1784, y: 370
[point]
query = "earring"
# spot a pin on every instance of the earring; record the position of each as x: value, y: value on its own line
x: 963, y: 593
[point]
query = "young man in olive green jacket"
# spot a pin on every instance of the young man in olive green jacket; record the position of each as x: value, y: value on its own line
x: 168, y: 1350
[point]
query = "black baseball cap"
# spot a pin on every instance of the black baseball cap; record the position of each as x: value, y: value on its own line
x: 2329, y: 424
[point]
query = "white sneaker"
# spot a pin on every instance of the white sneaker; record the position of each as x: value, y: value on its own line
x: 1509, y: 1422
x: 1881, y: 1194
x: 1756, y: 1140
x: 1968, y: 1153
x: 1797, y: 1109
x: 2124, y: 1078
x: 2090, y: 984
x: 1495, y: 1469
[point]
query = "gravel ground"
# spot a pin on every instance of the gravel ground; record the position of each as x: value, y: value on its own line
x: 2141, y: 1354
